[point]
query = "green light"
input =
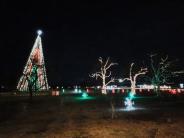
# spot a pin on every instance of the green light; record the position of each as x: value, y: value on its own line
x: 80, y: 91
x: 81, y: 98
x: 131, y: 95
x: 84, y: 95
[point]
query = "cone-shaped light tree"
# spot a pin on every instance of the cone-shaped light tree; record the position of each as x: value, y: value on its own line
x: 34, y: 74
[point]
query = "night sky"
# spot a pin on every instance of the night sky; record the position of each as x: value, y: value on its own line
x: 77, y: 33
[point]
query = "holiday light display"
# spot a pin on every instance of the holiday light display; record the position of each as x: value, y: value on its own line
x: 104, y: 74
x: 133, y: 77
x: 34, y: 74
x: 129, y: 103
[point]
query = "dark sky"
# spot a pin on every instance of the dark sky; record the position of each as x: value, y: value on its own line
x: 76, y: 33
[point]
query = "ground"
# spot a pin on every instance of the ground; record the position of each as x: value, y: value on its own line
x: 71, y: 116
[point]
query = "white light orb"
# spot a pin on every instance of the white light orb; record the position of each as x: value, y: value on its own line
x: 120, y: 80
x: 39, y: 32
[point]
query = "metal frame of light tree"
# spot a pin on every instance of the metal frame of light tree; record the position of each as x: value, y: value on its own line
x: 34, y: 74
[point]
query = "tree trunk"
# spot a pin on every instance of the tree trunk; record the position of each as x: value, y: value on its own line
x: 157, y: 89
x: 133, y: 87
x: 104, y: 91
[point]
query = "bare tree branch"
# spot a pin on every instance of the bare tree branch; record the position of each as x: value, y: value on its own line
x: 128, y: 79
x: 179, y: 72
x: 96, y: 75
x: 163, y: 60
x: 111, y: 64
x: 107, y: 76
x: 112, y: 80
x: 101, y: 60
x: 106, y: 62
x: 130, y: 74
x: 143, y: 71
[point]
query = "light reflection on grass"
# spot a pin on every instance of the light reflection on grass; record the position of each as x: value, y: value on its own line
x: 85, y: 98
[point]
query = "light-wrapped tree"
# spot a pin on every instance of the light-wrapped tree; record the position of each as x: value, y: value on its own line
x: 104, y: 73
x: 162, y: 71
x: 133, y: 77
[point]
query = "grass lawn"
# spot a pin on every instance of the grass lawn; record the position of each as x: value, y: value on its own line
x: 70, y: 116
